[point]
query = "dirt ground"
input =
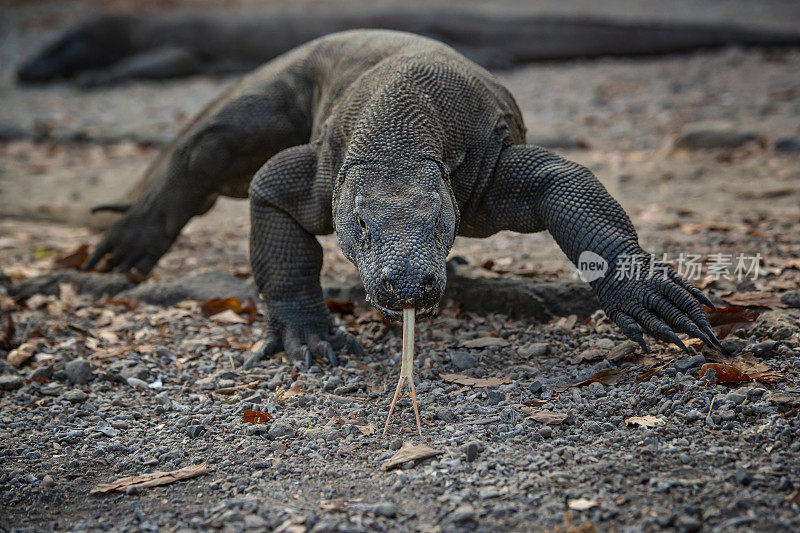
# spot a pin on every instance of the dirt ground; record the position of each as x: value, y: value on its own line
x: 558, y: 425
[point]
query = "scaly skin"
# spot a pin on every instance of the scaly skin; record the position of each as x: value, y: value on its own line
x: 398, y: 144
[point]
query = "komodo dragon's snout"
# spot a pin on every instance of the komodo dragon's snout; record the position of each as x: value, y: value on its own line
x: 396, y: 222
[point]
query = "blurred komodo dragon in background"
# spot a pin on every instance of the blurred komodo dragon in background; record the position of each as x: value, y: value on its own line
x: 397, y: 143
x: 112, y: 48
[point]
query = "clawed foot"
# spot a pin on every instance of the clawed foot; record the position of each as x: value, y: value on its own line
x: 134, y: 243
x: 658, y: 301
x: 305, y: 344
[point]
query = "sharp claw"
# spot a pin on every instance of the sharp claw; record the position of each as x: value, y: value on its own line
x: 334, y: 361
x: 704, y: 300
x: 714, y: 340
x: 670, y: 336
x: 307, y: 357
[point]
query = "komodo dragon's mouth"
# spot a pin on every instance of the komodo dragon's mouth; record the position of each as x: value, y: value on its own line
x: 397, y: 314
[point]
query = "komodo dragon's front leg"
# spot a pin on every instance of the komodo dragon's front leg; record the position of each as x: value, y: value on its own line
x: 533, y: 189
x: 288, y: 206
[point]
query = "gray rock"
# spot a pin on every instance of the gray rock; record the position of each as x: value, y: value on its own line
x: 762, y: 349
x: 11, y: 382
x: 206, y: 383
x: 495, y: 397
x: 534, y: 349
x: 201, y: 287
x: 687, y: 363
x: 703, y: 135
x: 536, y: 386
x: 387, y: 509
x: 692, y: 416
x: 279, y: 430
x: 194, y: 431
x: 735, y: 398
x: 47, y: 481
x: 619, y: 351
x: 463, y: 360
x: 79, y: 371
x: 605, y: 344
x: 462, y: 513
x: 43, y: 372
x: 396, y: 444
x: 789, y: 145
x: 332, y: 383
x: 791, y: 299
x: 75, y: 396
x: 733, y: 344
x: 327, y: 434
x: 139, y: 372
x: 471, y: 450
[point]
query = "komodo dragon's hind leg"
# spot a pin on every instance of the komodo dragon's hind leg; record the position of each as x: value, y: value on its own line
x: 216, y: 156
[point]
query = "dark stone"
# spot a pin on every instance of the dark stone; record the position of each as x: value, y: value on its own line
x: 201, y: 287
x: 92, y: 283
x: 11, y: 382
x: 704, y: 135
x: 463, y: 360
x: 791, y: 299
x: 687, y: 363
x: 789, y: 145
x: 194, y: 431
x: 495, y: 397
x: 471, y: 450
x: 79, y: 371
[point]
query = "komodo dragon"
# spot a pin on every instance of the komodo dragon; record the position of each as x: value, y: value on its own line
x: 397, y: 143
x: 112, y: 48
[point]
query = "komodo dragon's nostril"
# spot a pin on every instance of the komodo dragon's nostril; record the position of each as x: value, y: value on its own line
x: 387, y: 282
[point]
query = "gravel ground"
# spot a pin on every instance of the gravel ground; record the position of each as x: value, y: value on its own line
x: 117, y: 387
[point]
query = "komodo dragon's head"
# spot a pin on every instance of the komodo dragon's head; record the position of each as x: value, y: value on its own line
x: 397, y: 222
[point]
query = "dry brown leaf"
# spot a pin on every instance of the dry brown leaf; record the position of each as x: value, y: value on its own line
x: 367, y: 430
x: 339, y: 307
x: 71, y: 260
x: 292, y: 392
x: 256, y: 417
x: 789, y: 398
x: 153, y: 479
x: 221, y: 306
x: 109, y: 352
x: 647, y: 374
x: 474, y: 382
x: 484, y: 342
x: 228, y: 317
x: 609, y: 376
x: 236, y: 388
x: 730, y: 374
x: 410, y: 452
x: 769, y: 300
x: 728, y: 319
x: 18, y: 356
x: 546, y: 417
x: 581, y: 504
x: 67, y: 294
x: 646, y: 421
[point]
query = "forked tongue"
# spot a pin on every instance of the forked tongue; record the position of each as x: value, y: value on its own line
x: 406, y: 369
